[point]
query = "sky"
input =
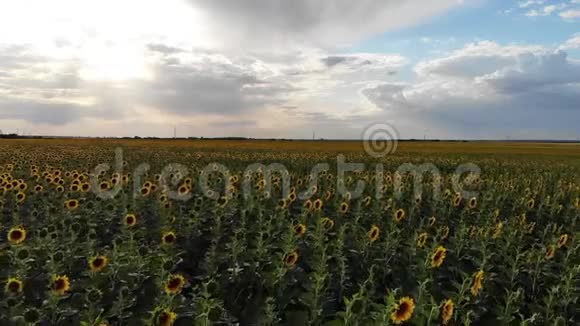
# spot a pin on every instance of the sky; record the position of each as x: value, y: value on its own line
x: 447, y: 69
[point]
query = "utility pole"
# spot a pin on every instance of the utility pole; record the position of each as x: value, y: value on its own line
x: 174, y: 132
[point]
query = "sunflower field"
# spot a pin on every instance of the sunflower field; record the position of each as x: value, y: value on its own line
x: 188, y: 235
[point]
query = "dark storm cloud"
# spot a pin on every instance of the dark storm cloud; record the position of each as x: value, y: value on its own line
x: 329, y: 22
x: 39, y: 112
x: 333, y: 60
x: 210, y: 87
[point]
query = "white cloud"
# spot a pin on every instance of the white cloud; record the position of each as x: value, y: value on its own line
x: 488, y: 87
x: 570, y: 15
x: 571, y: 43
x: 545, y: 11
x: 526, y: 4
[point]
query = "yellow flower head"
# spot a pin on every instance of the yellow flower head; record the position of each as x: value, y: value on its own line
x: 60, y: 284
x: 373, y: 233
x: 300, y: 229
x: 168, y: 237
x: 327, y: 223
x: 166, y: 318
x: 477, y: 283
x: 472, y: 202
x: 447, y: 311
x: 291, y: 259
x: 422, y: 239
x: 343, y: 207
x: 563, y: 240
x: 403, y: 310
x: 174, y: 284
x: 16, y: 235
x: 71, y: 204
x: 318, y: 204
x: 550, y: 252
x: 98, y: 263
x: 130, y: 220
x: 399, y: 215
x: 14, y: 285
x: 438, y: 256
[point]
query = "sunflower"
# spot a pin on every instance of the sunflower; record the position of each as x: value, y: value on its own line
x: 399, y: 215
x: 60, y: 189
x: 563, y: 240
x: 60, y: 284
x: 444, y: 232
x: 432, y: 220
x: 403, y: 310
x: 497, y: 230
x: 183, y: 190
x: 318, y: 204
x: 166, y: 318
x: 38, y: 188
x: 550, y: 251
x: 85, y: 187
x: 16, y: 235
x: 283, y: 203
x: 20, y: 196
x: 327, y: 223
x: 472, y: 203
x: 531, y: 203
x: 477, y: 283
x: 292, y: 196
x: 530, y: 227
x: 373, y: 233
x: 105, y: 185
x: 300, y: 229
x: 291, y: 259
x: 328, y: 195
x: 343, y: 208
x: 447, y: 311
x: 367, y: 201
x: 14, y: 285
x: 130, y: 220
x: 457, y: 200
x: 98, y: 263
x: 71, y: 204
x: 168, y: 237
x: 438, y: 256
x: 422, y: 239
x: 145, y: 191
x: 222, y: 201
x: 174, y: 284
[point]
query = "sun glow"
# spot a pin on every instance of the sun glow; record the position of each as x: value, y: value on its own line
x: 107, y: 39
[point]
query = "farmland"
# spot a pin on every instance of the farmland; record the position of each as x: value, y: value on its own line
x: 250, y: 232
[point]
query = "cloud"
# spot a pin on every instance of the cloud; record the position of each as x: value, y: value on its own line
x: 321, y: 23
x: 37, y: 112
x: 512, y: 86
x: 363, y: 61
x: 526, y: 4
x: 570, y: 15
x: 473, y: 60
x: 571, y: 43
